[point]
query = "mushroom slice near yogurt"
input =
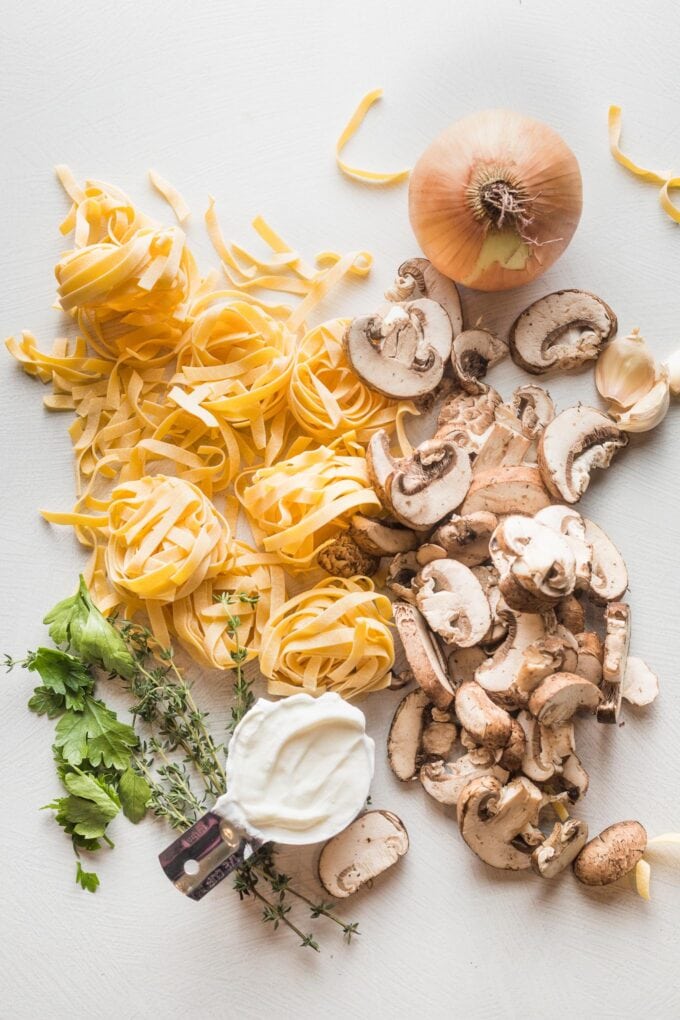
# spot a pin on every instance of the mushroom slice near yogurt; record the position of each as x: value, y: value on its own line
x: 572, y: 445
x: 473, y: 352
x: 367, y: 847
x: 446, y: 780
x: 561, y: 331
x: 402, y: 353
x: 453, y: 602
x: 536, y: 565
x: 417, y: 278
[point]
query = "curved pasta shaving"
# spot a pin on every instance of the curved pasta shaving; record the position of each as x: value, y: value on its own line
x: 350, y: 129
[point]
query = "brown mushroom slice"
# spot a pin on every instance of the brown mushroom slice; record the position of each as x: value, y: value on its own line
x: 572, y: 445
x: 493, y: 820
x: 533, y: 408
x: 429, y: 552
x: 571, y: 614
x: 405, y: 736
x: 439, y: 735
x: 446, y: 780
x: 609, y: 577
x: 561, y: 331
x: 381, y: 537
x: 568, y: 523
x: 380, y: 463
x: 402, y: 353
x: 487, y: 724
x: 590, y: 655
x: 473, y: 352
x: 559, y: 696
x: 545, y: 748
x: 488, y: 577
x: 559, y: 850
x: 574, y: 778
x: 423, y: 655
x: 452, y: 601
x: 536, y: 565
x: 640, y: 685
x: 513, y: 752
x: 429, y: 484
x: 465, y: 418
x: 417, y: 278
x: 401, y: 574
x: 466, y: 539
x: 463, y: 662
x: 612, y: 854
x: 615, y: 659
x: 555, y: 653
x: 515, y: 489
x: 344, y: 558
x: 502, y: 447
x: 498, y: 675
x: 366, y: 848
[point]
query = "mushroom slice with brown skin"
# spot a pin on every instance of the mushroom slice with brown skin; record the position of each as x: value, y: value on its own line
x: 612, y: 854
x: 423, y: 655
x: 640, y: 684
x: 498, y: 675
x: 503, y: 446
x: 545, y: 748
x: 344, y: 558
x: 561, y: 331
x: 571, y: 614
x: 573, y: 779
x: 561, y: 847
x: 513, y: 752
x: 472, y: 353
x: 366, y: 848
x: 533, y: 408
x: 514, y: 489
x: 494, y: 819
x: 566, y: 521
x: 559, y: 696
x: 590, y: 656
x: 381, y: 537
x: 406, y: 733
x: 402, y: 572
x: 572, y: 445
x: 555, y: 653
x: 466, y: 418
x: 402, y: 353
x: 615, y: 659
x: 463, y: 662
x: 446, y: 780
x: 487, y: 724
x: 466, y: 539
x: 609, y: 577
x: 453, y: 602
x: 439, y: 735
x: 429, y: 484
x: 488, y: 577
x: 536, y: 565
x: 417, y: 278
x: 380, y: 463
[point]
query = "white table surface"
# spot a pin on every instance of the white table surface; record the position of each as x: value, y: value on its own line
x: 244, y: 101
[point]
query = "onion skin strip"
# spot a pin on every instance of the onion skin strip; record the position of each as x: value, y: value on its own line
x: 348, y: 132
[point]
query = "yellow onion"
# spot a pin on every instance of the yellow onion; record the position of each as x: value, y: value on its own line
x: 625, y: 371
x: 495, y: 199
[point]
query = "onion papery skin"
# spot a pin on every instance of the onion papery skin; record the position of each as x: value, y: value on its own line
x: 540, y: 169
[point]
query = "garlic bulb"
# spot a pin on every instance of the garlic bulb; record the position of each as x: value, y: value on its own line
x: 625, y: 371
x: 651, y: 409
x: 673, y: 366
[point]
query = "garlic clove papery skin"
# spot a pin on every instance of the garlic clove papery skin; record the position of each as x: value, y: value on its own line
x: 673, y: 368
x: 650, y: 410
x: 625, y: 371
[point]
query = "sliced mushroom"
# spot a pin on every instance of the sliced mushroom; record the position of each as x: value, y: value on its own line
x: 494, y: 820
x: 423, y: 655
x: 559, y: 696
x: 439, y: 735
x: 574, y: 778
x: 401, y: 575
x: 381, y: 537
x: 488, y: 577
x: 417, y: 278
x: 487, y: 724
x: 498, y: 675
x: 612, y: 854
x: 533, y: 408
x: 472, y: 353
x: 366, y: 848
x: 401, y: 679
x: 463, y: 662
x: 406, y: 733
x: 429, y: 552
x: 446, y: 780
x: 536, y: 565
x: 380, y: 463
x: 513, y: 752
x: 465, y: 418
x: 571, y: 614
x: 503, y: 446
x: 566, y: 521
x: 344, y: 558
x: 517, y: 489
x: 555, y: 653
x: 466, y: 539
x: 572, y: 445
x: 609, y: 577
x: 452, y: 601
x: 590, y: 656
x: 561, y: 331
x: 402, y: 353
x: 640, y: 684
x: 545, y: 748
x: 561, y: 847
x: 616, y: 645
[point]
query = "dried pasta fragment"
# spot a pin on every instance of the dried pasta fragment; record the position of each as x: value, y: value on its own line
x: 171, y: 195
x: 348, y: 132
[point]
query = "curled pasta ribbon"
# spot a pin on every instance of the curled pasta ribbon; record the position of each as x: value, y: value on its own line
x: 171, y: 196
x: 333, y: 637
x: 327, y: 398
x: 667, y: 181
x: 299, y: 503
x: 643, y: 871
x: 165, y: 538
x: 350, y: 129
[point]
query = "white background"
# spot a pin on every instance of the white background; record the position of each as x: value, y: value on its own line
x: 244, y: 101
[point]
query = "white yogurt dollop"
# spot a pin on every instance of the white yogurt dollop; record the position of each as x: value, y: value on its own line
x: 298, y: 770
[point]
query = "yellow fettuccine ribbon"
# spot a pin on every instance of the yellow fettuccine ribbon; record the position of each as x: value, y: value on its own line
x: 350, y: 129
x: 667, y: 181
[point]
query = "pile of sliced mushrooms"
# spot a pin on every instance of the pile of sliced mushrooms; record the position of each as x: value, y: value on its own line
x: 509, y: 603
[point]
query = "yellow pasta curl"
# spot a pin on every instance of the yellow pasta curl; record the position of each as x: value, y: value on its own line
x: 333, y: 637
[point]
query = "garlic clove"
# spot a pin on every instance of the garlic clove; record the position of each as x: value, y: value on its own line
x: 625, y: 371
x: 673, y: 367
x: 651, y: 409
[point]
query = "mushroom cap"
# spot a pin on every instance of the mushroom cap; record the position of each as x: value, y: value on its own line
x: 488, y: 725
x: 466, y: 539
x: 446, y: 780
x: 612, y: 854
x: 370, y: 845
x: 609, y: 577
x: 453, y: 602
x: 405, y: 735
x: 534, y: 409
x: 472, y: 353
x: 514, y: 489
x: 640, y: 684
x: 417, y: 278
x: 429, y: 484
x: 536, y: 564
x: 423, y: 655
x: 572, y: 445
x: 561, y: 331
x: 557, y: 852
x: 381, y: 537
x: 491, y: 817
x: 561, y: 695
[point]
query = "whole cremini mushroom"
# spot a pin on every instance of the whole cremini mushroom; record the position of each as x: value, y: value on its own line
x: 612, y: 854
